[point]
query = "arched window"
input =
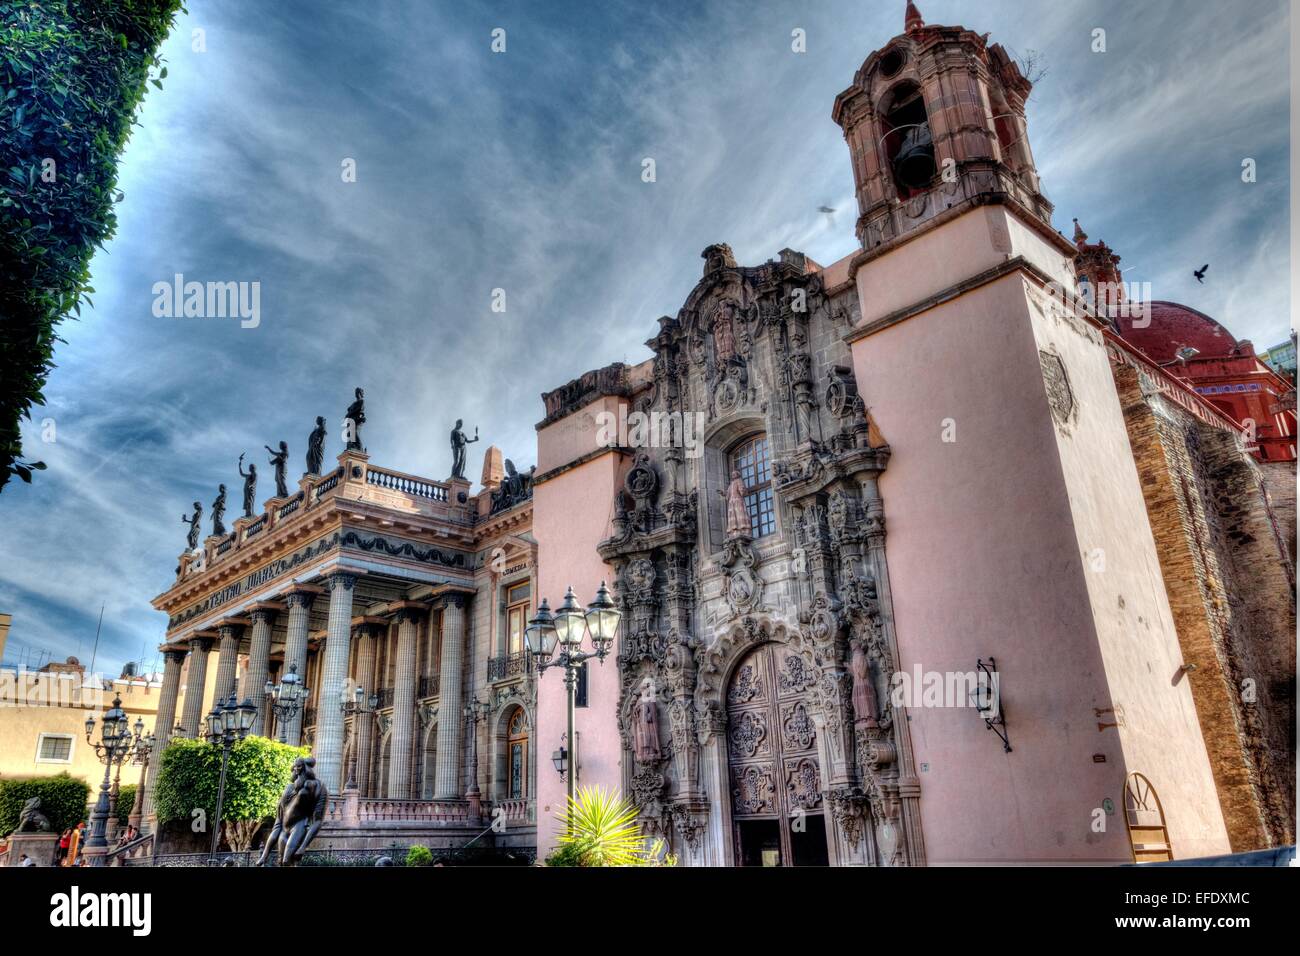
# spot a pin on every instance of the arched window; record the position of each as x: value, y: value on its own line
x: 753, y: 460
x: 517, y: 756
x: 909, y: 149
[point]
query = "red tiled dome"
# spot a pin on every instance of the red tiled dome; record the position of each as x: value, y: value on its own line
x: 1173, y: 326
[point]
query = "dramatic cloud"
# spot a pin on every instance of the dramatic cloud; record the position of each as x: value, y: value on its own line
x: 521, y: 171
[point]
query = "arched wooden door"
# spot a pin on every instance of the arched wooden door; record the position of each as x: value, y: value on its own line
x: 776, y: 804
x: 1145, y: 817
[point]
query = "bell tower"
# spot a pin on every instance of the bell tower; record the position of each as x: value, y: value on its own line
x: 1017, y: 528
x: 935, y: 121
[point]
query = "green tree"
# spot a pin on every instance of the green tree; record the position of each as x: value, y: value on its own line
x: 72, y: 75
x: 601, y: 829
x: 125, y: 801
x: 63, y: 800
x: 190, y: 773
x: 419, y: 856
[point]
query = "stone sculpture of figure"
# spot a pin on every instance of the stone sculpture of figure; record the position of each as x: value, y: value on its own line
x: 724, y: 334
x: 356, y: 417
x: 193, y: 521
x: 30, y: 818
x: 298, y: 817
x: 219, y: 511
x: 737, y: 513
x: 316, y: 447
x: 645, y: 732
x: 250, y: 485
x: 458, y: 443
x: 278, y: 459
x: 864, y: 692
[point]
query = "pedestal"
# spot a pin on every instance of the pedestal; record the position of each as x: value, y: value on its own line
x: 41, y: 847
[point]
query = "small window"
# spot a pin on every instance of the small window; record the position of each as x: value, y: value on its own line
x: 752, y: 459
x: 518, y: 601
x: 54, y: 748
x: 580, y: 690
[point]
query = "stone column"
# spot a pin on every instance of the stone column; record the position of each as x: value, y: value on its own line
x: 403, y: 732
x: 259, y: 650
x: 162, y: 729
x: 295, y: 654
x: 328, y: 748
x: 364, y: 722
x: 451, y: 699
x: 227, y: 661
x: 192, y: 718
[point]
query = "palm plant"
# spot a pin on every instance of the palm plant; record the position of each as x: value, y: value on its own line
x: 601, y: 829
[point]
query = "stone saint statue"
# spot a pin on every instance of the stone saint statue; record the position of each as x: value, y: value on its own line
x: 355, y: 418
x: 298, y: 816
x: 278, y: 459
x: 864, y: 692
x: 250, y: 485
x: 645, y: 732
x: 219, y: 511
x: 724, y: 335
x: 194, y: 520
x: 316, y: 447
x: 458, y: 443
x: 737, y: 513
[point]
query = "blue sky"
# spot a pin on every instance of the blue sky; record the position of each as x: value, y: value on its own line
x: 522, y: 171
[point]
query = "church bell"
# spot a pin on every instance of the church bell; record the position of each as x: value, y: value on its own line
x: 914, y: 165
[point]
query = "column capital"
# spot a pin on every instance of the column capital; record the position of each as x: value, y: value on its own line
x: 368, y: 626
x: 303, y: 595
x: 264, y: 615
x: 409, y: 611
x: 341, y: 579
x: 201, y: 642
x: 175, y: 655
x: 232, y: 626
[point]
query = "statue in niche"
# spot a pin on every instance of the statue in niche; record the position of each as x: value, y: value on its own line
x: 458, y: 443
x: 316, y: 447
x: 645, y: 736
x: 278, y: 459
x: 194, y: 521
x: 724, y: 334
x: 737, y: 513
x: 250, y: 485
x: 219, y: 511
x: 356, y: 417
x: 864, y: 691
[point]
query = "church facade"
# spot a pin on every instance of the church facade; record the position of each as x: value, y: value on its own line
x: 922, y: 558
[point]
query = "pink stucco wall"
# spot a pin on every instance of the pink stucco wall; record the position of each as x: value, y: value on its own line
x: 571, y: 515
x: 990, y: 539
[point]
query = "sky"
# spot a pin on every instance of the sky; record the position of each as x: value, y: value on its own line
x: 521, y: 171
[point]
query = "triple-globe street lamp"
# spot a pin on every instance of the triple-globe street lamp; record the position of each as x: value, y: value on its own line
x: 228, y: 723
x: 118, y: 740
x: 565, y: 629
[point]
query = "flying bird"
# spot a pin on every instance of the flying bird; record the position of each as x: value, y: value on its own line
x: 1200, y: 273
x: 826, y: 209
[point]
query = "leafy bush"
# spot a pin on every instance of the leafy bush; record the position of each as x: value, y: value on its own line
x: 419, y: 856
x: 72, y: 73
x: 63, y: 800
x: 125, y: 801
x: 190, y: 773
x: 601, y: 829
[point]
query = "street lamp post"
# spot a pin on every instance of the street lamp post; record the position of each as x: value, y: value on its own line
x: 353, y: 705
x: 114, y: 746
x: 228, y: 723
x: 141, y: 756
x: 566, y: 629
x: 286, y: 697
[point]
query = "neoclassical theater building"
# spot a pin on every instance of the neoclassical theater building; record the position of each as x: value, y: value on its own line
x: 961, y: 568
x: 411, y: 590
